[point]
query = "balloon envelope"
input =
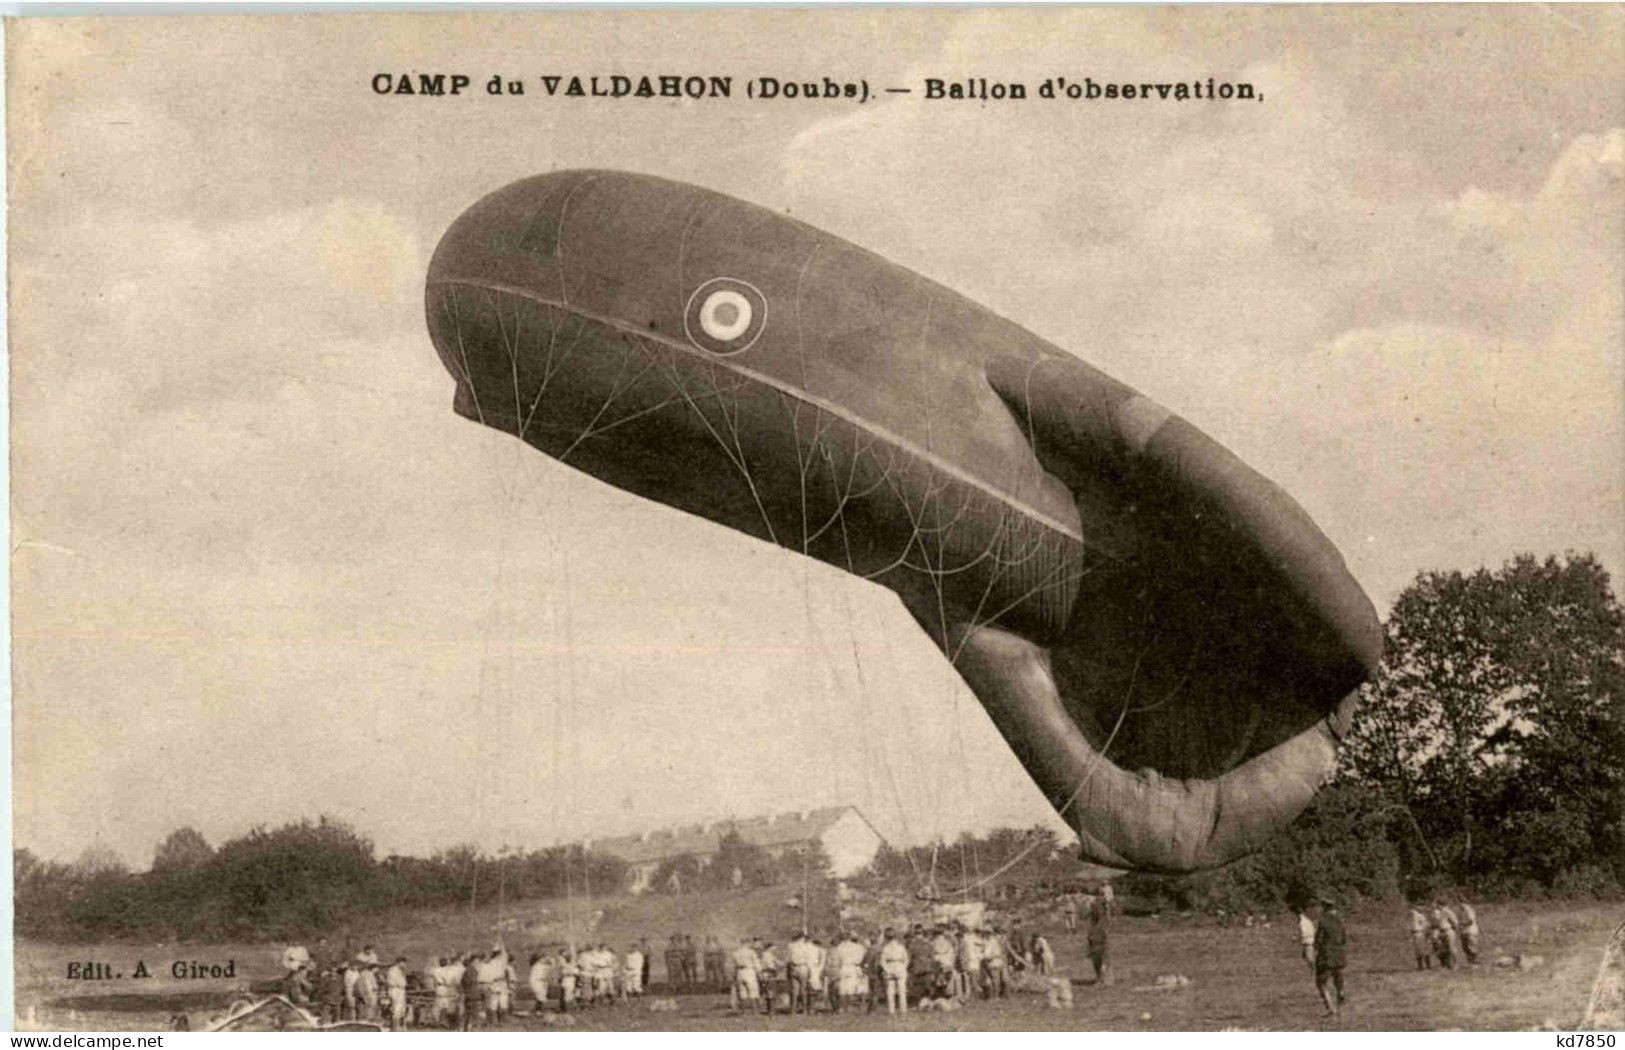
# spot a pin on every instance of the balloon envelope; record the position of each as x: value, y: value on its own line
x: 1167, y: 642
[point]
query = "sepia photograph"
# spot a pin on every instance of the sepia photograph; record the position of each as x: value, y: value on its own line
x: 846, y: 519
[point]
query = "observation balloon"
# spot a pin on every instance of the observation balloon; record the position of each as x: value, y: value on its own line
x: 1167, y: 642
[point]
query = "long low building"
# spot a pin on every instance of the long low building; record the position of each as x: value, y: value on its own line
x: 846, y: 836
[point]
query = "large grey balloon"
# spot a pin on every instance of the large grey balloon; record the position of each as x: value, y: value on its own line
x: 1166, y: 640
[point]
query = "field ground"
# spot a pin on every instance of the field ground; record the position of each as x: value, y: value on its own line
x: 1249, y: 978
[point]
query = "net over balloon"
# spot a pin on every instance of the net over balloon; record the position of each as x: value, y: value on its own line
x: 1167, y: 642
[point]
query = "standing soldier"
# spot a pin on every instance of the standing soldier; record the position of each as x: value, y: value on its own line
x: 1330, y: 945
x: 330, y: 995
x: 1306, y: 936
x: 632, y: 972
x: 538, y: 979
x: 942, y: 957
x: 453, y: 970
x: 919, y: 962
x: 1469, y: 932
x: 745, y: 990
x: 367, y: 991
x: 674, y: 962
x: 894, y: 961
x: 970, y: 963
x: 691, y: 960
x: 849, y: 954
x: 874, y: 977
x: 648, y: 955
x: 1445, y: 941
x: 818, y: 979
x: 994, y: 951
x: 1420, y: 943
x: 767, y: 974
x: 1099, y: 954
x: 395, y: 992
x: 569, y: 977
x: 800, y: 959
x: 473, y: 995
x: 350, y: 977
x: 1069, y: 912
x: 716, y: 963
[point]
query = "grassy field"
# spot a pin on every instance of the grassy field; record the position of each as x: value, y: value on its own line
x: 1249, y: 978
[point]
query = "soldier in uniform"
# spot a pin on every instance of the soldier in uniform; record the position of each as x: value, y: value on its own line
x: 1331, y: 944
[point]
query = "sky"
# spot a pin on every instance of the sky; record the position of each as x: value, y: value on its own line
x: 261, y: 571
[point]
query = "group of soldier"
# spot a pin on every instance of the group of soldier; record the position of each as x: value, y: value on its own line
x: 465, y: 990
x: 943, y: 962
x: 1446, y: 934
x: 469, y: 990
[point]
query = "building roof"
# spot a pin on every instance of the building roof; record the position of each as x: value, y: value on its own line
x: 778, y: 830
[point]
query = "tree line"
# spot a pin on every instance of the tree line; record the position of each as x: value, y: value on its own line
x: 293, y: 881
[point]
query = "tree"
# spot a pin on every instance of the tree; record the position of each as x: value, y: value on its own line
x: 679, y: 874
x: 184, y: 849
x: 1496, y: 721
x: 754, y: 863
x: 98, y: 861
x: 294, y: 879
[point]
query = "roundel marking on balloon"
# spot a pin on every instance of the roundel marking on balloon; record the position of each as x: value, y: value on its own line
x: 725, y: 316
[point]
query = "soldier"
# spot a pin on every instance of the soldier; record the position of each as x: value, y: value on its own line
x: 508, y: 981
x: 569, y: 977
x: 330, y: 995
x: 800, y: 959
x: 848, y: 962
x: 1420, y: 942
x: 894, y: 960
x: 942, y: 957
x: 767, y: 974
x: 1469, y: 932
x: 473, y: 993
x: 1330, y: 945
x: 367, y: 992
x: 297, y: 986
x: 1099, y: 947
x: 993, y: 961
x: 970, y: 963
x: 919, y: 961
x: 745, y: 990
x: 1306, y: 936
x: 691, y: 961
x: 351, y: 977
x: 456, y: 968
x: 395, y: 993
x: 716, y: 963
x: 1445, y: 942
x: 537, y: 978
x: 632, y: 972
x: 874, y: 977
x: 819, y: 978
x: 674, y: 961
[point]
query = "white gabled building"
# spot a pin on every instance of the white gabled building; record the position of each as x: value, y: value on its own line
x: 848, y: 840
